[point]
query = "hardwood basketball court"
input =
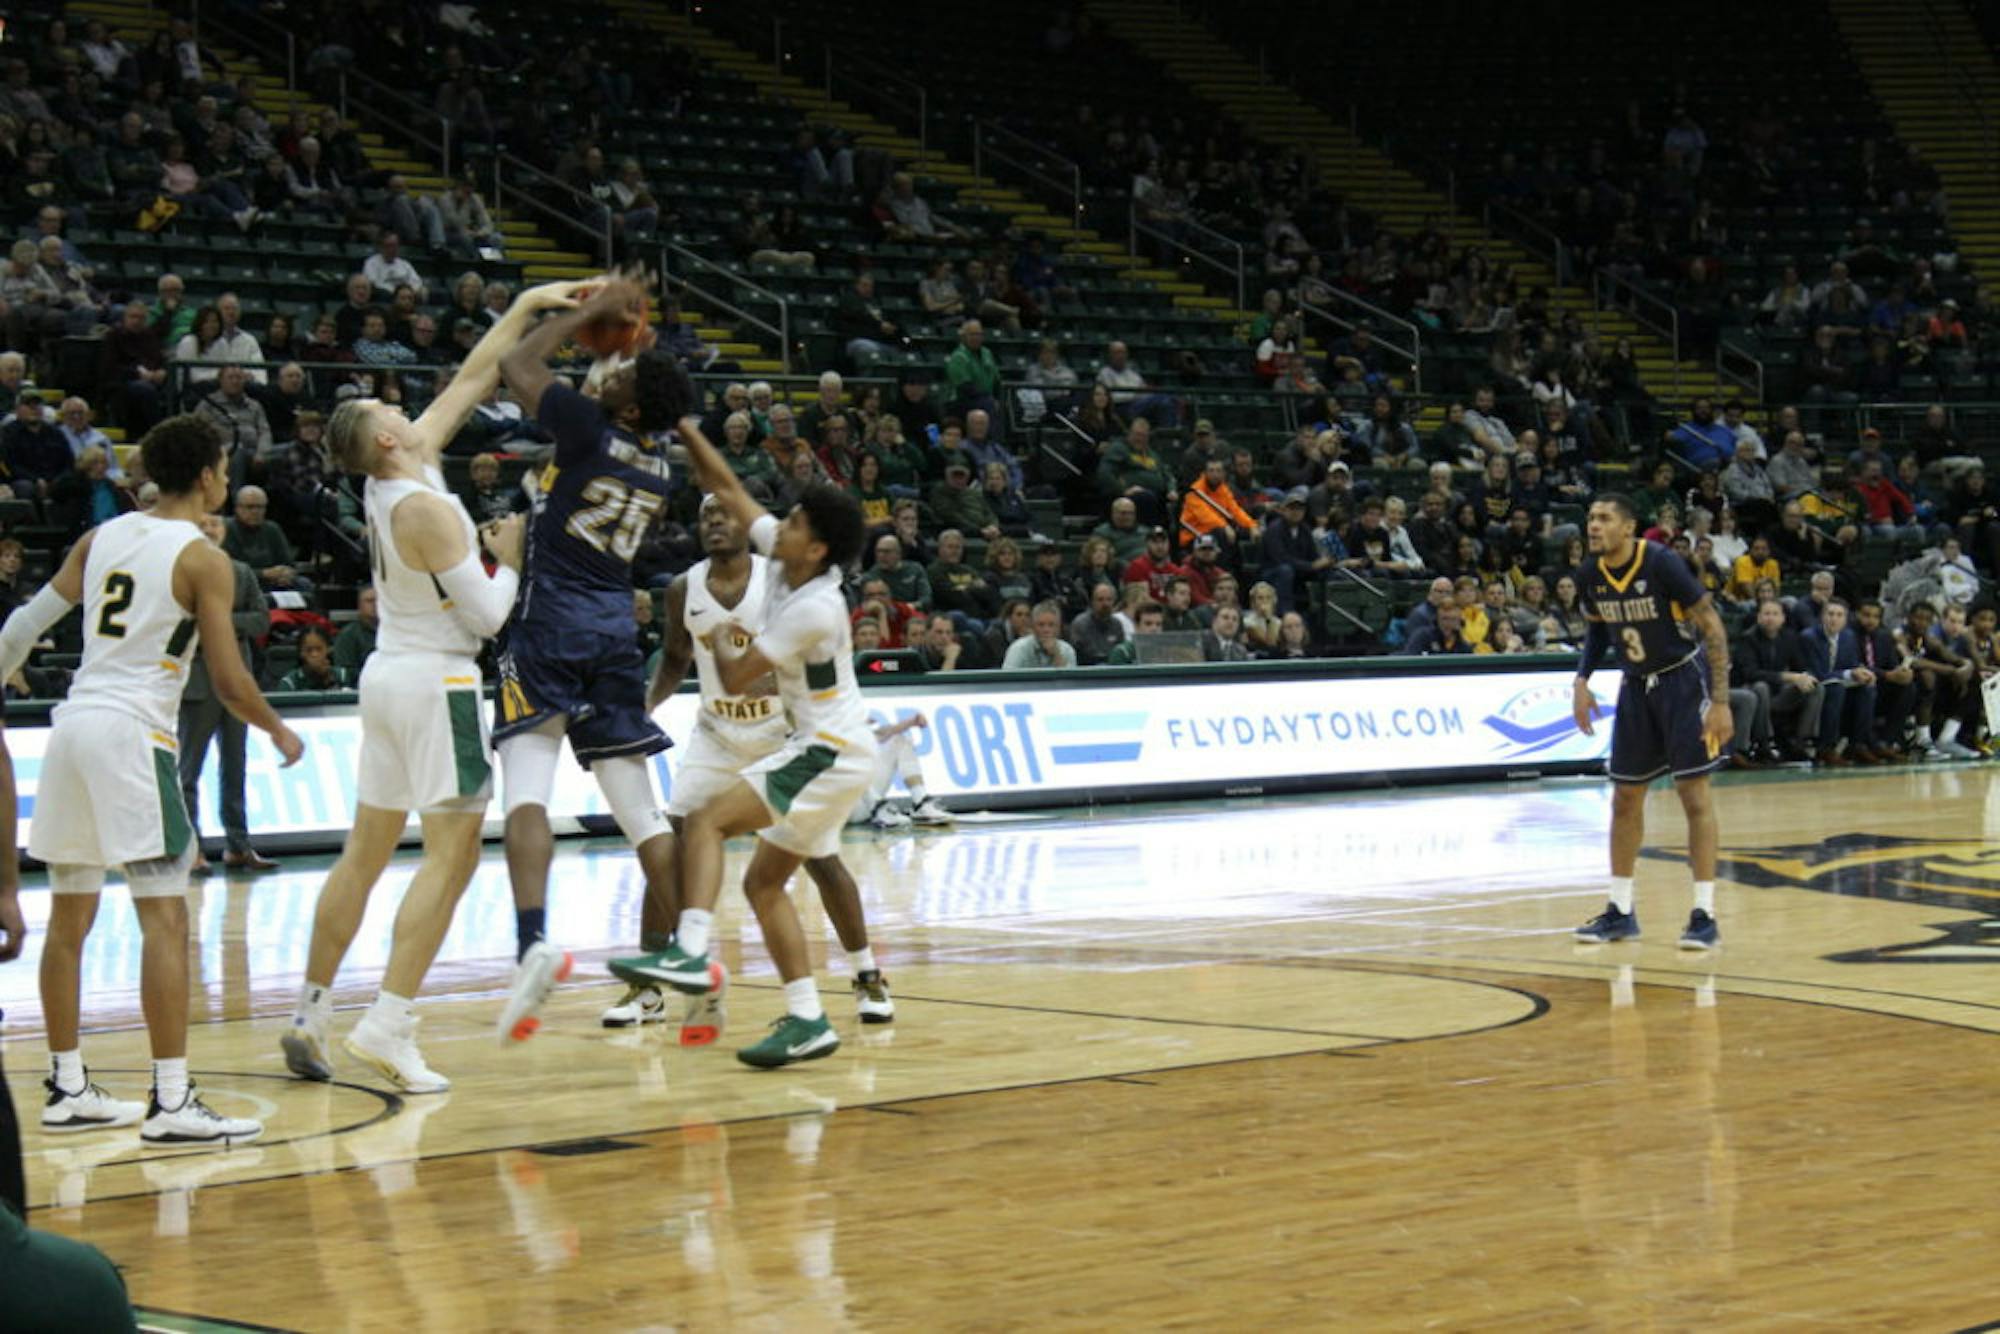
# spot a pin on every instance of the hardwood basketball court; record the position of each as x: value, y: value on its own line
x: 1315, y: 1061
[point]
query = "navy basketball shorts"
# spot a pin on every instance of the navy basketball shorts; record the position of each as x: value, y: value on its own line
x: 1658, y: 727
x: 596, y: 681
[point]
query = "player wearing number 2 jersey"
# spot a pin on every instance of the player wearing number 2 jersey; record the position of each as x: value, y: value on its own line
x: 570, y: 661
x: 152, y: 587
x: 1673, y: 709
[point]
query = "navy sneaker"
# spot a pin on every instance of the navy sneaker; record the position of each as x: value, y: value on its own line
x: 1701, y: 933
x: 1608, y: 926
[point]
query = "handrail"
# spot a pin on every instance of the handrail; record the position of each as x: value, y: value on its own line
x: 1753, y: 380
x: 838, y: 62
x: 607, y: 254
x: 1136, y: 227
x: 1555, y: 247
x: 983, y: 130
x: 1414, y: 353
x: 1967, y: 87
x: 782, y: 329
x: 1602, y: 283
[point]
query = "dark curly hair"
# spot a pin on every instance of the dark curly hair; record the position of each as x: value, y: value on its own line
x: 836, y: 520
x: 662, y: 390
x: 178, y: 449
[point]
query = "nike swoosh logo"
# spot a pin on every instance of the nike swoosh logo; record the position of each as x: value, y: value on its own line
x: 801, y: 1048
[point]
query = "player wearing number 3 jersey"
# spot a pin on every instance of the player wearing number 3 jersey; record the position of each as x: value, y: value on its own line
x: 1642, y: 602
x: 152, y: 589
x: 570, y: 661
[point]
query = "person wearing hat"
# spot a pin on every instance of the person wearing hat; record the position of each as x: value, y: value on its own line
x: 33, y: 451
x: 957, y: 503
x: 1210, y: 508
x: 1156, y: 565
x: 1332, y: 501
x: 1945, y: 328
x: 1290, y: 556
x: 1206, y: 445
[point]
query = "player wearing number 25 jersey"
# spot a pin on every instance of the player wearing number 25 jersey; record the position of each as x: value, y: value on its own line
x: 572, y: 648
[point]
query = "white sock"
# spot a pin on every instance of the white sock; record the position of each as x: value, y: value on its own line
x: 315, y: 1006
x: 693, y: 934
x: 1704, y: 896
x: 1621, y: 893
x: 862, y: 960
x: 1924, y: 735
x: 67, y: 1067
x: 1948, y: 733
x: 396, y: 1013
x: 802, y: 999
x: 170, y: 1083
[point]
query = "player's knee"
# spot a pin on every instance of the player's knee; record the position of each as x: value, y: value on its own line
x: 166, y: 914
x: 1628, y: 799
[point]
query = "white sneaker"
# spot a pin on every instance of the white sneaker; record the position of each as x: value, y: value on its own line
x: 1959, y: 751
x: 871, y: 998
x: 928, y: 811
x: 886, y: 816
x: 306, y: 1052
x: 638, y: 1006
x: 194, y: 1123
x: 89, y: 1109
x: 535, y: 977
x: 705, y: 1017
x: 396, y: 1056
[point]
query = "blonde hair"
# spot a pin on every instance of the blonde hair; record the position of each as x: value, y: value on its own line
x: 350, y: 436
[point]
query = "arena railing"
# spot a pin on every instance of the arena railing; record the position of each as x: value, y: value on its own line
x: 843, y: 72
x: 1505, y: 220
x: 1731, y: 359
x: 1662, y: 318
x: 674, y: 256
x: 1377, y: 320
x: 1236, y: 273
x: 1060, y: 176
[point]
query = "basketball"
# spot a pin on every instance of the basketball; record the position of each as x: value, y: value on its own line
x: 620, y: 335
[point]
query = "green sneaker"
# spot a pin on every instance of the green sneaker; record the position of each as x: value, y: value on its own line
x: 792, y: 1039
x: 678, y: 969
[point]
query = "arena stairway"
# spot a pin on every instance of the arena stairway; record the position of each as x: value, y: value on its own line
x: 1199, y: 58
x: 1941, y: 90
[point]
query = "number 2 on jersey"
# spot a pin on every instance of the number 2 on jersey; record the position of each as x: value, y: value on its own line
x: 617, y: 517
x: 118, y: 591
x: 1635, y: 643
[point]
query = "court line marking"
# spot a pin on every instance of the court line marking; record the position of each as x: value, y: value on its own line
x: 1539, y: 1006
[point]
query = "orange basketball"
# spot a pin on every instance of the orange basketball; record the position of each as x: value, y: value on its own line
x: 616, y: 335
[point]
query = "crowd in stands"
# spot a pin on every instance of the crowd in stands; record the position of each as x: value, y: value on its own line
x: 1069, y: 514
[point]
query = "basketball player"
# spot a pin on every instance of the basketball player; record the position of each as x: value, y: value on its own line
x: 570, y: 661
x: 1673, y: 709
x: 423, y: 739
x: 732, y: 733
x: 151, y: 586
x: 797, y: 798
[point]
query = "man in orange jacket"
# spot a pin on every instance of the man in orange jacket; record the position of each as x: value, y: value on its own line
x: 1209, y: 505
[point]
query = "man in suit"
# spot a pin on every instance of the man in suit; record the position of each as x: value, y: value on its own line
x: 1835, y: 661
x: 1770, y: 662
x: 203, y: 716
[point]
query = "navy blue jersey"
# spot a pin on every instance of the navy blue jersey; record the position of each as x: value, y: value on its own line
x: 1643, y: 606
x: 591, y: 513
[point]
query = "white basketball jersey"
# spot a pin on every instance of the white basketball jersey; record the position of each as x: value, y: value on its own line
x: 414, y: 608
x: 137, y: 639
x: 749, y: 723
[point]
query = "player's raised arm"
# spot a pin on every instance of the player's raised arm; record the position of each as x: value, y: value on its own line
x: 425, y: 529
x: 525, y: 365
x: 212, y: 582
x: 717, y: 477
x: 480, y: 371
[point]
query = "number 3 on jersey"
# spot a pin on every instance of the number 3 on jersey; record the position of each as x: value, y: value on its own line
x: 118, y: 591
x: 616, y: 518
x: 1635, y: 643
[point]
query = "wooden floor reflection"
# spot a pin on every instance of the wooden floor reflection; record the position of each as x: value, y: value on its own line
x: 1325, y: 1062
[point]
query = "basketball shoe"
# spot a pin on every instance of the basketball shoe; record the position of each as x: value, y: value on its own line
x: 395, y: 1055
x: 705, y: 1016
x: 1609, y: 925
x: 193, y: 1122
x: 535, y: 976
x: 673, y: 965
x: 305, y: 1048
x: 928, y: 812
x: 791, y: 1040
x: 1701, y: 933
x: 89, y: 1108
x: 871, y: 998
x: 642, y: 1003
